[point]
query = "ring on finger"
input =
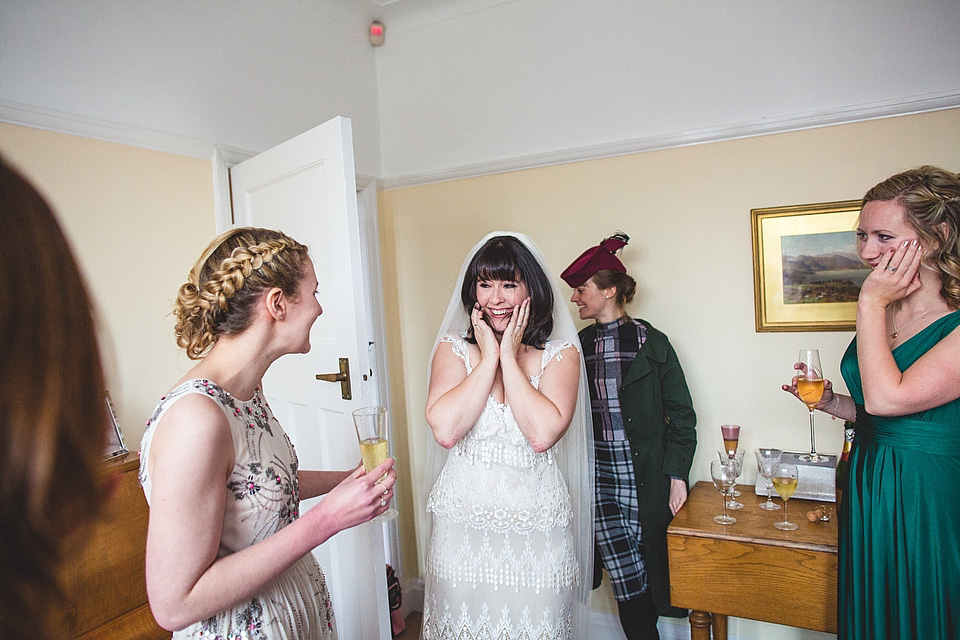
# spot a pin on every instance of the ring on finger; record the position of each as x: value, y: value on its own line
x: 383, y: 503
x: 891, y: 268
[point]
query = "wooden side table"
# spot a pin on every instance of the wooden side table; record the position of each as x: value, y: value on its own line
x: 751, y: 569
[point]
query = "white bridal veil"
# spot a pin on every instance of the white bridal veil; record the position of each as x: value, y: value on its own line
x: 573, y: 453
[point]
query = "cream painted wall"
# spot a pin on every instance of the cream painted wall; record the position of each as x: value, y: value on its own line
x: 137, y: 220
x: 687, y: 211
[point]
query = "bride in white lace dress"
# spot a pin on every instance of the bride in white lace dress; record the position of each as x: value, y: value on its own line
x: 511, y: 547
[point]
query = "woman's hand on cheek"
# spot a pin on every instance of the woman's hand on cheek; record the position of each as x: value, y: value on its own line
x: 513, y: 335
x: 483, y: 334
x: 896, y: 276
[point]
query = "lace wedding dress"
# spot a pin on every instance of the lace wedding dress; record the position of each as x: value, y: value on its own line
x: 501, y: 562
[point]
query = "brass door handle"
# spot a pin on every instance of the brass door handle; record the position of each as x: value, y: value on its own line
x: 343, y: 377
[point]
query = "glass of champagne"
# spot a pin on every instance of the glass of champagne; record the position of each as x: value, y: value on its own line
x: 371, y: 424
x: 785, y: 482
x: 737, y: 462
x: 723, y: 473
x: 766, y: 460
x: 810, y: 389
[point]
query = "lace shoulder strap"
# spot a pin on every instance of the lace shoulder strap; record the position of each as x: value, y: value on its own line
x: 458, y: 343
x: 552, y: 350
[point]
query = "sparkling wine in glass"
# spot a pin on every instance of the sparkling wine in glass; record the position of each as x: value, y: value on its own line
x: 785, y: 482
x: 737, y: 462
x: 766, y: 460
x: 371, y: 424
x: 731, y: 438
x: 810, y: 389
x: 723, y: 473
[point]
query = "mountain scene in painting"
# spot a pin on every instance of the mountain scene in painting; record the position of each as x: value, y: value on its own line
x: 821, y: 267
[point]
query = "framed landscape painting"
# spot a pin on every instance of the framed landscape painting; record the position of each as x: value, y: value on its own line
x: 806, y: 270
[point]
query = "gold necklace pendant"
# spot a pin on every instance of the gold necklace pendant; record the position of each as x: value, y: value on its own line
x: 896, y: 332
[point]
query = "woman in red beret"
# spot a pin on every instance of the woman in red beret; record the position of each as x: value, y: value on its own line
x: 645, y: 436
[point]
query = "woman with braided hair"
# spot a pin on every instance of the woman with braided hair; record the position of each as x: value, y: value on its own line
x: 899, y: 553
x: 228, y: 553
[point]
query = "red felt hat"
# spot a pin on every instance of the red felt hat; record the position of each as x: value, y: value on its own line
x: 594, y: 259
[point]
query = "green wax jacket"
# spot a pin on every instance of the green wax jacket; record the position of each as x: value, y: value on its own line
x: 661, y: 425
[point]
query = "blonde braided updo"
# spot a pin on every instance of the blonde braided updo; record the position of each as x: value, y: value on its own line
x: 228, y: 279
x: 930, y: 197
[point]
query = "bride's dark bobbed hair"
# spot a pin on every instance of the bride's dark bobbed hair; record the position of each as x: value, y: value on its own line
x: 507, y: 258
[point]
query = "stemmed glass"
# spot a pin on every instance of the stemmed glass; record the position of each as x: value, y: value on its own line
x: 766, y: 460
x: 737, y: 462
x: 371, y: 424
x: 731, y: 438
x: 785, y: 482
x: 810, y: 389
x: 723, y: 473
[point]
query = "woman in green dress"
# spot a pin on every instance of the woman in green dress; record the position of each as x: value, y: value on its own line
x: 899, y: 575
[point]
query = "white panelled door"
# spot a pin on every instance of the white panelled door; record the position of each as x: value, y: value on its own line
x: 306, y: 187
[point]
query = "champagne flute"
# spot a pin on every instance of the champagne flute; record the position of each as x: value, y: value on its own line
x: 810, y: 390
x: 731, y: 438
x: 737, y: 462
x: 371, y: 424
x: 766, y: 460
x: 785, y: 482
x: 723, y: 474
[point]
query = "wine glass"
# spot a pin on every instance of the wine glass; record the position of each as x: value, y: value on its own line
x: 785, y: 482
x: 723, y: 473
x: 731, y: 438
x: 371, y: 424
x: 810, y: 389
x: 766, y: 460
x: 737, y: 462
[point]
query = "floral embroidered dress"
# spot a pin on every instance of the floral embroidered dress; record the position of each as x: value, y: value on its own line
x: 262, y: 497
x: 501, y: 562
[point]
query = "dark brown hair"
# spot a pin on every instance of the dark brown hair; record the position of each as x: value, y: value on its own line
x: 506, y: 258
x: 53, y: 418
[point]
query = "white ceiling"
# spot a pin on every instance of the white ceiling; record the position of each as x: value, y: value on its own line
x: 402, y: 15
x: 463, y: 87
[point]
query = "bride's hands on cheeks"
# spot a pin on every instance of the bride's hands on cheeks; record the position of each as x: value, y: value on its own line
x: 483, y: 334
x: 513, y: 334
x: 895, y: 277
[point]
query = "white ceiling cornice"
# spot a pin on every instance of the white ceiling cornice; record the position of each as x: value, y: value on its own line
x: 39, y: 118
x: 800, y: 122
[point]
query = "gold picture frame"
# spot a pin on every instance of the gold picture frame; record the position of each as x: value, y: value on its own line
x: 806, y: 270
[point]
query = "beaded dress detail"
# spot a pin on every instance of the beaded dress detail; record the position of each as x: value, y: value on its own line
x: 263, y: 497
x: 501, y: 563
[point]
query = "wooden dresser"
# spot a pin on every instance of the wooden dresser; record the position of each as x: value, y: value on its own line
x: 106, y: 587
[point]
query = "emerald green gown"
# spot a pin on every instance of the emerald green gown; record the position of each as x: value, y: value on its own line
x: 899, y: 574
